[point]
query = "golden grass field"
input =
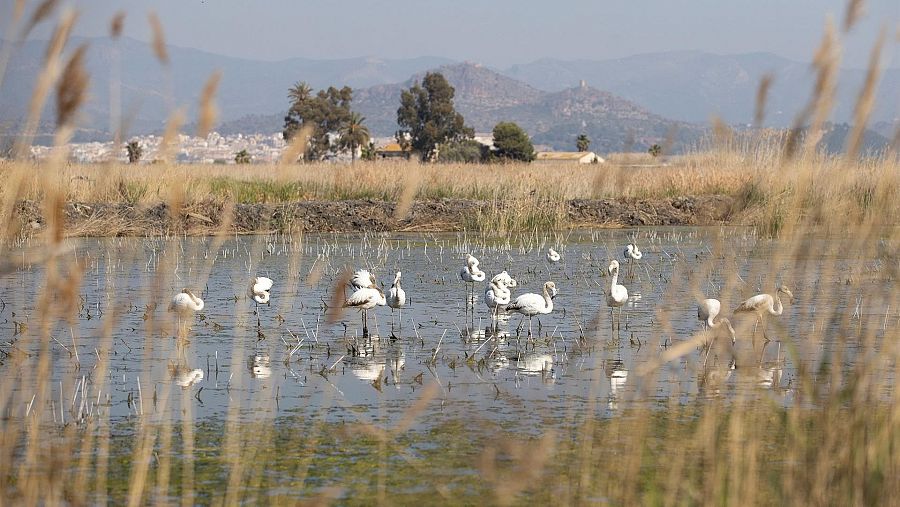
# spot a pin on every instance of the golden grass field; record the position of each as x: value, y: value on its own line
x: 837, y: 443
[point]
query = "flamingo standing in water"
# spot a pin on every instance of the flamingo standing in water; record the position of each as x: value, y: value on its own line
x: 365, y: 299
x: 470, y: 274
x: 632, y: 253
x: 259, y: 292
x: 496, y: 296
x: 707, y: 311
x: 765, y: 304
x: 532, y: 304
x: 553, y: 256
x: 362, y: 279
x: 396, y: 300
x: 185, y: 304
x: 618, y: 294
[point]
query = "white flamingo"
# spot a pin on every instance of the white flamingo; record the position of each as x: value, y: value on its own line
x: 470, y: 274
x: 184, y: 376
x: 504, y: 278
x: 396, y: 300
x: 259, y: 291
x: 532, y: 304
x: 496, y: 296
x: 618, y: 294
x: 365, y: 299
x: 553, y: 256
x: 632, y: 253
x: 185, y: 304
x: 765, y: 304
x: 707, y: 311
x: 362, y: 279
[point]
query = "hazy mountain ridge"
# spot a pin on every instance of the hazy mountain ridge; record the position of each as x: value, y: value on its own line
x: 247, y: 87
x: 485, y: 98
x: 694, y: 85
x: 671, y: 89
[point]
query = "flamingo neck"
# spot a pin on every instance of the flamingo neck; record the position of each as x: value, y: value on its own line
x: 779, y: 307
x: 615, y: 279
x: 548, y: 301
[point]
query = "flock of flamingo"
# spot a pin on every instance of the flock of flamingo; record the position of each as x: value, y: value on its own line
x: 366, y: 295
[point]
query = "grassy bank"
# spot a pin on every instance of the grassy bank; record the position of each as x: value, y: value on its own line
x: 760, y: 189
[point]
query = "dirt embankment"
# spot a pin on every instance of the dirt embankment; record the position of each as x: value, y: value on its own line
x: 103, y: 219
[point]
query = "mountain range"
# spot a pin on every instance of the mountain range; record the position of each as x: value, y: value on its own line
x: 621, y: 103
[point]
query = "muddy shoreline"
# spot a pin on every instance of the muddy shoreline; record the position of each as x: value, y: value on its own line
x: 444, y: 215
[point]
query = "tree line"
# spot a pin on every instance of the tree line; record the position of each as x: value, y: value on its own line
x: 429, y: 126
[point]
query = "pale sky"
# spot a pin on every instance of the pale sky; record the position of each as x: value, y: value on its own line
x: 494, y: 32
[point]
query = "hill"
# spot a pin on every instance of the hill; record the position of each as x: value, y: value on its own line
x: 485, y: 97
x: 247, y: 86
x: 692, y: 85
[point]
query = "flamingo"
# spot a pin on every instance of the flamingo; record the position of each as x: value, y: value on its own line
x: 396, y: 300
x: 532, y: 304
x: 470, y: 274
x: 763, y: 304
x: 496, y: 296
x: 632, y: 253
x: 365, y: 299
x: 553, y: 256
x: 185, y: 304
x: 618, y: 294
x: 362, y: 279
x: 707, y: 311
x: 504, y: 278
x: 184, y: 376
x: 259, y: 291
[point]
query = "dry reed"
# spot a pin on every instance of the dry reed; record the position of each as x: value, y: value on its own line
x: 834, y: 443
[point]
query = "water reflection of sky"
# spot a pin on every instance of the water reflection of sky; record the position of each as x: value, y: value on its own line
x: 577, y: 366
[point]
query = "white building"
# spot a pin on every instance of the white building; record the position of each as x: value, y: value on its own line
x: 580, y: 157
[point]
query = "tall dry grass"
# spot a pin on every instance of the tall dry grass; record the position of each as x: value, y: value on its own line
x: 835, y: 444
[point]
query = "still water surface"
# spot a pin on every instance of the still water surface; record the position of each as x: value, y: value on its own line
x: 297, y: 361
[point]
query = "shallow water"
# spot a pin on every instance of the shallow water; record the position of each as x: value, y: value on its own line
x: 574, y: 366
x: 301, y: 393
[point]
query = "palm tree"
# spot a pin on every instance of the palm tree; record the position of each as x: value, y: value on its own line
x: 354, y: 134
x: 299, y: 92
x: 583, y: 143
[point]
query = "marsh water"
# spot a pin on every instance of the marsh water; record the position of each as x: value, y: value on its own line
x: 442, y: 360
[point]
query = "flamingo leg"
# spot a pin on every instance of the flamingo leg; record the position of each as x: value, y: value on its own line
x: 365, y: 322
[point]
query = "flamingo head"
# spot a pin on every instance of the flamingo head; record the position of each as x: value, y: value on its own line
x: 550, y: 288
x: 613, y: 267
x: 787, y: 292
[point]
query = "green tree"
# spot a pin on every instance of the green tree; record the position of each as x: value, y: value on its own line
x: 427, y: 115
x: 467, y: 151
x: 512, y: 143
x: 583, y: 142
x: 353, y: 134
x: 135, y: 151
x: 325, y: 114
x: 655, y: 150
x: 299, y: 92
x: 242, y: 157
x: 369, y: 151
